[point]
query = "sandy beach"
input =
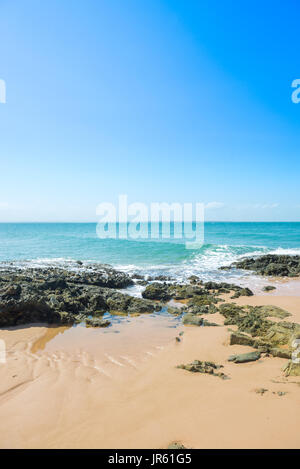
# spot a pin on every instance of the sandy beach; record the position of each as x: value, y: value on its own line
x: 83, y: 388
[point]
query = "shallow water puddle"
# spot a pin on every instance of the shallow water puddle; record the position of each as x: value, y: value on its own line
x: 125, y: 343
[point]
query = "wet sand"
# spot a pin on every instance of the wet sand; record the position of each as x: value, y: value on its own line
x: 120, y: 388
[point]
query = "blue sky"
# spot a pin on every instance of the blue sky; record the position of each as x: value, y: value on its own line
x: 165, y: 101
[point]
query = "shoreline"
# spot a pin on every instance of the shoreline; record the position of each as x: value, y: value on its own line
x: 58, y: 398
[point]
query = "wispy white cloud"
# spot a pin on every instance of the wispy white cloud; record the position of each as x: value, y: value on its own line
x: 213, y: 205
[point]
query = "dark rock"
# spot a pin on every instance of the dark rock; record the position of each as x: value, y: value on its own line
x: 162, y: 278
x: 183, y: 292
x: 118, y: 302
x: 242, y: 292
x: 244, y: 357
x: 194, y: 279
x: 269, y: 288
x: 11, y: 291
x: 138, y: 276
x: 141, y: 306
x: 143, y: 283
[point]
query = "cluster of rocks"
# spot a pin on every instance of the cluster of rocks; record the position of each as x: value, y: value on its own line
x: 257, y: 330
x: 61, y: 296
x: 208, y: 291
x: 199, y: 298
x: 272, y: 265
x: 262, y: 391
x: 57, y: 295
x: 198, y: 366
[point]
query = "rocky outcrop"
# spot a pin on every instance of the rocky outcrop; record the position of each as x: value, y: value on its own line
x: 224, y: 287
x: 66, y: 297
x: 197, y: 294
x: 256, y: 329
x: 272, y: 265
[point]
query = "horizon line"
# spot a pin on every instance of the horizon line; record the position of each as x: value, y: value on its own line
x: 165, y: 221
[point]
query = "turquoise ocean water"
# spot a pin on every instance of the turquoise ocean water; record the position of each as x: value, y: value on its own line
x: 39, y: 244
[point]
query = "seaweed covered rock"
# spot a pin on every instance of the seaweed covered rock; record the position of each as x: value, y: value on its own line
x: 201, y: 309
x: 252, y: 319
x: 272, y: 311
x: 231, y: 312
x: 197, y: 293
x: 202, y: 300
x: 183, y: 292
x: 156, y: 291
x: 117, y: 302
x: 142, y: 306
x: 198, y: 366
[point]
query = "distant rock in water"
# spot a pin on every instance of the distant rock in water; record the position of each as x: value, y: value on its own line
x: 269, y: 288
x: 272, y: 265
